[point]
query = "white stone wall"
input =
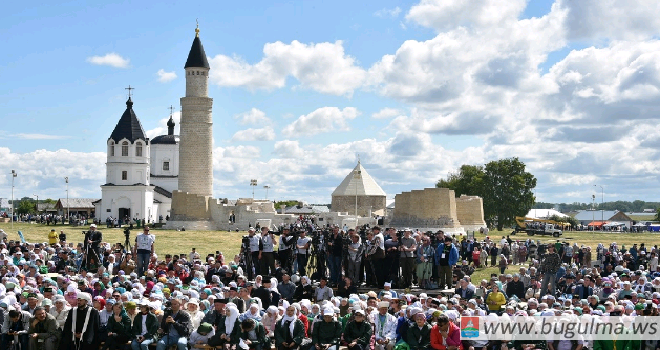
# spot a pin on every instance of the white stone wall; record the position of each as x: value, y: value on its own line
x: 137, y: 167
x: 140, y: 199
x: 195, y: 146
x: 161, y: 153
x: 197, y: 82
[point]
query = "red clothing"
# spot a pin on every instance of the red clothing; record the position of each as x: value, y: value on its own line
x: 453, y: 337
x: 303, y: 318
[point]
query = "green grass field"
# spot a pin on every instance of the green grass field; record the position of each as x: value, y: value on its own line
x: 586, y: 238
x: 167, y: 241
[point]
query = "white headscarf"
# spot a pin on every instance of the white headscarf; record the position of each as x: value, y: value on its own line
x: 231, y: 317
x: 291, y: 319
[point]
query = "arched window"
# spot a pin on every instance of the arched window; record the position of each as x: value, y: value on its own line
x: 138, y: 149
x: 124, y: 149
x: 112, y: 148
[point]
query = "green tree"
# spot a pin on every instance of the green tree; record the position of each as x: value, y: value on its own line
x: 509, y: 191
x: 469, y: 180
x: 504, y: 185
x: 26, y: 206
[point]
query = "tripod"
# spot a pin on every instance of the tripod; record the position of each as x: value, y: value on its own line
x: 127, y: 241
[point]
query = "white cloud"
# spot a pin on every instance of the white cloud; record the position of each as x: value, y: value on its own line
x: 262, y: 134
x: 288, y: 149
x: 612, y: 19
x: 42, y: 172
x: 449, y: 14
x: 165, y: 77
x: 323, y: 67
x: 243, y: 152
x: 24, y: 136
x: 385, y: 12
x: 161, y: 129
x: 253, y: 117
x: 324, y: 119
x: 110, y: 59
x: 387, y: 113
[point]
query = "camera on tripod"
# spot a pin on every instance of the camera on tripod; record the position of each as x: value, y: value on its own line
x: 127, y: 233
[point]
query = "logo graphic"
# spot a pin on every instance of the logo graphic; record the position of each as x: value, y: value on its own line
x: 469, y: 327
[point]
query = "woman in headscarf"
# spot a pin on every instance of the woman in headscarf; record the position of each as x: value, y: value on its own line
x: 196, y: 316
x: 274, y: 293
x: 252, y: 312
x: 302, y: 318
x: 98, y: 289
x: 304, y: 290
x: 204, y: 306
x: 60, y: 311
x: 119, y: 328
x: 289, y: 331
x: 270, y: 319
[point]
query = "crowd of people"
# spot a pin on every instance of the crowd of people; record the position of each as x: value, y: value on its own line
x: 93, y: 295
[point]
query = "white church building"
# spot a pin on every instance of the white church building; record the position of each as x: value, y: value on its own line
x: 140, y: 173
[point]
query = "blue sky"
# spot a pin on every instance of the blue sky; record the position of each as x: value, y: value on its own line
x: 465, y: 84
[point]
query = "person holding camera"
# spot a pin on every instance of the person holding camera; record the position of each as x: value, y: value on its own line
x: 335, y: 251
x: 267, y: 252
x: 302, y: 245
x: 15, y: 329
x: 92, y: 241
x: 285, y: 249
x: 144, y: 250
x: 255, y: 251
x: 176, y: 326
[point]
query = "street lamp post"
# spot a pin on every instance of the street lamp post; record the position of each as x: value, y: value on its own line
x: 593, y: 210
x: 13, y: 205
x: 601, y: 202
x: 267, y: 188
x: 66, y: 179
x: 357, y: 174
x: 253, y: 183
x: 36, y: 207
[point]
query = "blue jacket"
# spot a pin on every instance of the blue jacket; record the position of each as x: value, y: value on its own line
x: 453, y: 254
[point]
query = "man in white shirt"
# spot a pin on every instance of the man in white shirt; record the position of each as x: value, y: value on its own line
x: 302, y: 245
x: 144, y: 250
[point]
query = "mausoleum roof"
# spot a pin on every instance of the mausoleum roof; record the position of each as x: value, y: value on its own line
x: 358, y: 182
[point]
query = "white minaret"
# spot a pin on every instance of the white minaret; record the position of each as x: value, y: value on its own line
x: 196, y: 134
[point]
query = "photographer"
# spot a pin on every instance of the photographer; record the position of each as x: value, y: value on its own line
x: 355, y: 251
x: 335, y: 250
x: 92, y: 241
x: 175, y: 325
x: 391, y: 262
x: 255, y: 251
x: 266, y: 252
x: 408, y: 249
x: 302, y: 245
x: 144, y: 250
x: 285, y: 249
